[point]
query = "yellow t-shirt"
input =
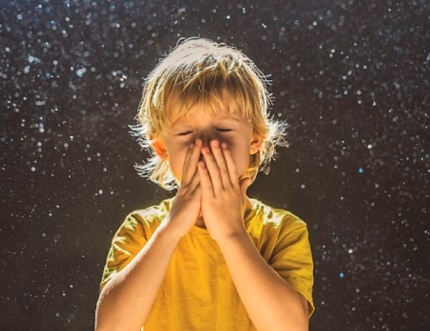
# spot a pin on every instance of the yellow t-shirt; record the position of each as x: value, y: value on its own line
x: 198, y: 292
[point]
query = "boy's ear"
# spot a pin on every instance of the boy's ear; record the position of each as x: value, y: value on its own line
x: 256, y: 143
x: 160, y: 148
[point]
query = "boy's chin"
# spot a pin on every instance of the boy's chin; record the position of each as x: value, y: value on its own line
x: 200, y: 222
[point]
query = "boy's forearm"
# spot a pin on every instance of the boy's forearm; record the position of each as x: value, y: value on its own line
x: 270, y: 301
x: 126, y: 301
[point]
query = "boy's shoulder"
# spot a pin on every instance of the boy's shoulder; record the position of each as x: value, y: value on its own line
x: 153, y: 213
x: 274, y: 217
x: 273, y: 228
x: 146, y: 220
x: 262, y: 217
x: 260, y: 211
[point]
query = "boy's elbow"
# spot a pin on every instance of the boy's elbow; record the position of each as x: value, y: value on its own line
x: 106, y: 323
x: 101, y: 324
x: 298, y: 325
x: 302, y: 321
x: 303, y: 325
x: 299, y: 321
x: 105, y: 318
x: 110, y: 318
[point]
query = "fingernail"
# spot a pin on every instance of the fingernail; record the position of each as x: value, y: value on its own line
x: 224, y: 145
x: 215, y: 143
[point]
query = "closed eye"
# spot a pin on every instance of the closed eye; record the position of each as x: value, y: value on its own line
x: 223, y: 130
x: 185, y: 133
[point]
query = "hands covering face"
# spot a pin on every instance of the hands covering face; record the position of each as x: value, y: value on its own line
x: 223, y: 196
x: 211, y: 185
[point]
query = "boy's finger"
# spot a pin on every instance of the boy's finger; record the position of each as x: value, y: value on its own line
x: 212, y: 169
x: 186, y: 167
x: 195, y: 182
x: 190, y: 163
x: 205, y: 181
x: 220, y: 161
x: 231, y: 165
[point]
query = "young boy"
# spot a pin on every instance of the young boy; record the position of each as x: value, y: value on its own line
x: 210, y: 258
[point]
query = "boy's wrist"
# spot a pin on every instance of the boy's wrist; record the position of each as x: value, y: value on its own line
x: 176, y: 227
x: 167, y: 229
x: 236, y: 235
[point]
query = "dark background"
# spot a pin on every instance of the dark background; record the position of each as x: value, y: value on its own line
x: 351, y: 78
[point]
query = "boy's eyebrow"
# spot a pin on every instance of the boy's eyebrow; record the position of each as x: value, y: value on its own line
x: 221, y: 118
x: 229, y: 118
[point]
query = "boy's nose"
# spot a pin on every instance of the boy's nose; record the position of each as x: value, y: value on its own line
x: 206, y: 142
x: 206, y: 139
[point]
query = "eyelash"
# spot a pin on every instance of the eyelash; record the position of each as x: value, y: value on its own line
x: 185, y: 133
x: 217, y: 129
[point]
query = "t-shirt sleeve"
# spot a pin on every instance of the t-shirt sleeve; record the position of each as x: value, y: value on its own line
x: 127, y: 242
x: 292, y: 258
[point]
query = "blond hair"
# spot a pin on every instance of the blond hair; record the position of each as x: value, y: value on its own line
x: 201, y: 71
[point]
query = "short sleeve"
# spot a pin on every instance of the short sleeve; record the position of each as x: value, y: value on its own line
x: 126, y: 244
x: 292, y: 258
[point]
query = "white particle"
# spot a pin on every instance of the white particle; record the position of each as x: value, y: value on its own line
x: 40, y: 102
x: 81, y: 72
x: 32, y: 59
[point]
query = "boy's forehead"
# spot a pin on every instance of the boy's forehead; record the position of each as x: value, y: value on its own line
x: 202, y: 113
x: 216, y: 107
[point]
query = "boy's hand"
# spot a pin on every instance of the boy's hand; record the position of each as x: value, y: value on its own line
x: 187, y: 203
x: 223, y: 196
